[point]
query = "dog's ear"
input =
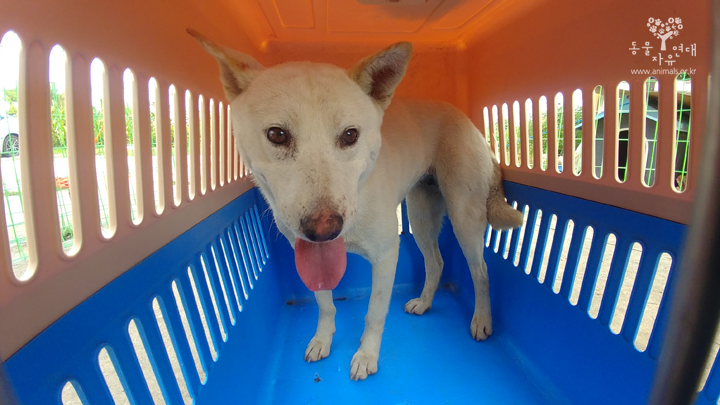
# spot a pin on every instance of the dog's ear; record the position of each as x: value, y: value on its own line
x: 378, y: 75
x: 237, y: 70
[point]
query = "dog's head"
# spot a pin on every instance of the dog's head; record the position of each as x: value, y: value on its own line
x: 310, y: 132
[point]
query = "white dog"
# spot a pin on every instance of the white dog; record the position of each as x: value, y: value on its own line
x: 334, y: 159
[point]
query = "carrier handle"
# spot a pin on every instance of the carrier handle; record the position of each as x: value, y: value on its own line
x: 695, y: 300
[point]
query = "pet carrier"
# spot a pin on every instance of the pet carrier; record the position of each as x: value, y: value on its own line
x: 141, y: 265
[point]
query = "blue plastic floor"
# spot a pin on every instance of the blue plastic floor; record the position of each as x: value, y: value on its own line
x: 428, y: 359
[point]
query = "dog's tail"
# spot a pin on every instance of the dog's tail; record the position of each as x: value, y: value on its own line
x: 499, y: 213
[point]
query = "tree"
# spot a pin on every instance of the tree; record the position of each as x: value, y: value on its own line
x: 10, y: 96
x: 58, y: 122
x: 665, y: 30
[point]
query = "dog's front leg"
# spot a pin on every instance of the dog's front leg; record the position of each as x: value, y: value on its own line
x: 365, y: 360
x: 319, y: 346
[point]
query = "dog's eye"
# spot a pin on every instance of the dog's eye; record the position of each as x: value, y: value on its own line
x: 278, y: 136
x: 349, y: 137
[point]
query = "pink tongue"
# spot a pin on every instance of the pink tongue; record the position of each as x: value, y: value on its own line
x: 320, y: 265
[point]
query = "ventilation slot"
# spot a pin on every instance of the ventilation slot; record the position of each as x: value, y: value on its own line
x: 262, y: 234
x: 497, y: 241
x: 681, y: 149
x: 505, y: 134
x: 577, y: 129
x: 155, y: 127
x: 191, y: 133
x: 488, y: 235
x: 190, y: 334
x: 222, y: 273
x: 214, y: 299
x: 516, y: 137
x: 61, y: 172
x: 116, y: 385
x: 630, y: 273
x: 228, y: 261
x: 246, y: 264
x: 204, y: 145
x: 252, y: 257
x: 170, y: 344
x: 543, y: 133
x: 623, y: 128
x: 547, y: 247
x: 203, y: 314
x: 598, y: 130
x: 221, y: 138
x: 652, y: 304
x: 558, y: 147
x: 131, y: 127
x: 582, y: 264
x: 213, y: 146
x: 602, y: 276
x: 566, y: 241
x: 240, y: 258
x: 72, y: 394
x: 12, y: 199
x: 533, y: 241
x: 495, y: 135
x: 521, y: 236
x: 175, y: 131
x: 652, y: 102
x: 530, y: 128
x: 508, y: 239
x: 139, y: 343
x: 108, y: 219
x: 486, y: 122
x: 255, y: 232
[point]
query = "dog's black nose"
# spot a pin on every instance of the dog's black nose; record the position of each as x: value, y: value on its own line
x: 322, y: 226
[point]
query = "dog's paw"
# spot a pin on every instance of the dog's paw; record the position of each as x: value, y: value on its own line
x: 362, y: 365
x: 481, y: 327
x: 417, y: 306
x: 318, y: 349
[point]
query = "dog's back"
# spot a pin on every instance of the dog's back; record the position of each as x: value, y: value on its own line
x: 436, y: 144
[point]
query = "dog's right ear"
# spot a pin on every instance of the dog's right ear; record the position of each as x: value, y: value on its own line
x: 379, y: 74
x: 237, y: 70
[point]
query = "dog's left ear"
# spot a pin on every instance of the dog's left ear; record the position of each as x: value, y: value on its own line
x: 378, y: 75
x: 237, y: 70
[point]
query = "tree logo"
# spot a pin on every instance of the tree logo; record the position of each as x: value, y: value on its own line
x: 665, y: 30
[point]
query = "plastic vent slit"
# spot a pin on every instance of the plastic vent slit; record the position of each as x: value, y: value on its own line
x: 170, y: 344
x: 240, y: 259
x: 579, y: 282
x: 661, y: 269
x: 564, y: 251
x: 549, y: 238
x: 139, y: 343
x: 190, y: 331
x: 521, y: 236
x: 72, y: 394
x: 203, y: 314
x: 115, y: 384
x: 212, y: 293
x: 627, y: 288
x: 602, y: 272
x: 222, y: 279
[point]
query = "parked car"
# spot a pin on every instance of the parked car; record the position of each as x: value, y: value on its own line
x: 9, y: 131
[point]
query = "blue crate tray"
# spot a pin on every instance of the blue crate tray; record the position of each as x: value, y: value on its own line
x: 544, y: 350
